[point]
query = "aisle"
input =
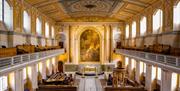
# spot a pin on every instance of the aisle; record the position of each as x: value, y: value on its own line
x: 89, y: 84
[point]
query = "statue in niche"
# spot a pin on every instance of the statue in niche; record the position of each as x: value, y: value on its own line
x: 89, y: 46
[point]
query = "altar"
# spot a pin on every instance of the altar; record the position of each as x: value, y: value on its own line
x: 90, y: 69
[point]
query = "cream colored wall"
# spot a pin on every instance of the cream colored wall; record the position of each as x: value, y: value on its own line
x: 17, y: 36
x: 73, y: 31
x: 4, y: 39
x: 167, y: 36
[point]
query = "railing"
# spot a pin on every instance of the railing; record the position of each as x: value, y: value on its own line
x: 19, y: 59
x: 172, y: 61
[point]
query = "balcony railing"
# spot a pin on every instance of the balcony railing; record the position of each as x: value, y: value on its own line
x: 25, y: 58
x: 170, y: 61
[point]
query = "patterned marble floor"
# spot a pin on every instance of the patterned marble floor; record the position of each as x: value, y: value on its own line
x: 89, y: 84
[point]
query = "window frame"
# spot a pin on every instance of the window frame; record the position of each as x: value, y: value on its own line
x: 160, y: 21
x: 143, y: 32
x: 134, y: 29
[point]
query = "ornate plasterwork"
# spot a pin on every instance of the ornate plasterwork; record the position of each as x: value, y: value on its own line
x: 91, y: 19
x: 78, y: 8
x: 72, y: 10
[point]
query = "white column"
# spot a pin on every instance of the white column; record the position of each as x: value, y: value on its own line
x: 137, y: 71
x: 148, y: 77
x: 129, y: 67
x: 66, y: 29
x: 56, y: 65
x: 34, y: 76
x: 107, y: 43
x: 50, y: 67
x: 111, y: 43
x: 43, y: 70
x: 166, y: 80
x: 19, y: 85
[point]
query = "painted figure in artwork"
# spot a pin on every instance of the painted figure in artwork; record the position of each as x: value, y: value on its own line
x: 90, y: 46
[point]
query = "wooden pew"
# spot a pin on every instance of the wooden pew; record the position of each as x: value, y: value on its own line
x: 40, y: 48
x: 7, y: 52
x: 158, y: 48
x: 175, y: 51
x: 22, y: 49
x: 108, y: 88
x: 56, y: 88
x: 166, y: 49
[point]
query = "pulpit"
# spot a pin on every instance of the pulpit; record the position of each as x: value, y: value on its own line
x: 119, y: 75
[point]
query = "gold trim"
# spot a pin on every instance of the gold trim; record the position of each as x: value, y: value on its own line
x: 79, y: 35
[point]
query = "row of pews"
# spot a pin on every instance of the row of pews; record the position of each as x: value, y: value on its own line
x: 24, y: 49
x: 156, y: 48
x: 129, y: 86
x: 56, y: 88
x: 58, y: 82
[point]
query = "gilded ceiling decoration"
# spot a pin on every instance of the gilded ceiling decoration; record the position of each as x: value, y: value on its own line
x: 91, y: 19
x: 78, y: 8
x: 95, y: 10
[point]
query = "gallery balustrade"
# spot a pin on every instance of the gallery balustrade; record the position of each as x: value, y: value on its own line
x: 172, y: 62
x: 9, y: 62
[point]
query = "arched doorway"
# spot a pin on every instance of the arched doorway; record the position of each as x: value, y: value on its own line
x: 90, y: 46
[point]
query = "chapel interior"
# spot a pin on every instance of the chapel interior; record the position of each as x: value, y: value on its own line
x: 89, y: 45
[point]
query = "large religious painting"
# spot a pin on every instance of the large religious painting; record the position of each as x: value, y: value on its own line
x: 89, y: 46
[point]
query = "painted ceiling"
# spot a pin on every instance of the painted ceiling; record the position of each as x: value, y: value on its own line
x: 90, y: 10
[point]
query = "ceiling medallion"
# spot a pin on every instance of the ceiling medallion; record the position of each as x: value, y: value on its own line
x: 80, y: 8
x: 90, y: 6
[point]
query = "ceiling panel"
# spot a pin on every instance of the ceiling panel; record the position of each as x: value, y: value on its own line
x: 134, y: 7
x: 65, y: 9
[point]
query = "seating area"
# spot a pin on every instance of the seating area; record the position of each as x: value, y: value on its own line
x: 130, y: 85
x: 24, y: 49
x: 58, y: 82
x: 155, y: 48
x: 59, y: 79
x: 56, y: 88
x: 119, y: 80
x: 6, y: 52
x: 124, y: 89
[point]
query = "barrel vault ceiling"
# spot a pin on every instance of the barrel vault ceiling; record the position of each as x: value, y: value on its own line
x: 64, y: 10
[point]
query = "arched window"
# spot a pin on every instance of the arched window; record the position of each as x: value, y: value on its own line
x: 143, y: 26
x: 24, y: 73
x: 174, y: 80
x: 127, y: 31
x: 47, y: 30
x: 126, y: 61
x: 3, y: 83
x: 153, y: 73
x: 134, y: 29
x: 8, y: 18
x: 1, y: 9
x: 133, y: 63
x: 142, y: 67
x: 176, y: 17
x: 52, y: 32
x: 157, y: 21
x: 159, y: 73
x: 38, y: 26
x: 26, y: 22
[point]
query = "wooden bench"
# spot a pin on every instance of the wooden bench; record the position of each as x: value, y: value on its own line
x: 166, y: 49
x: 7, y: 52
x: 56, y: 88
x: 175, y: 51
x: 108, y: 88
x: 22, y: 49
